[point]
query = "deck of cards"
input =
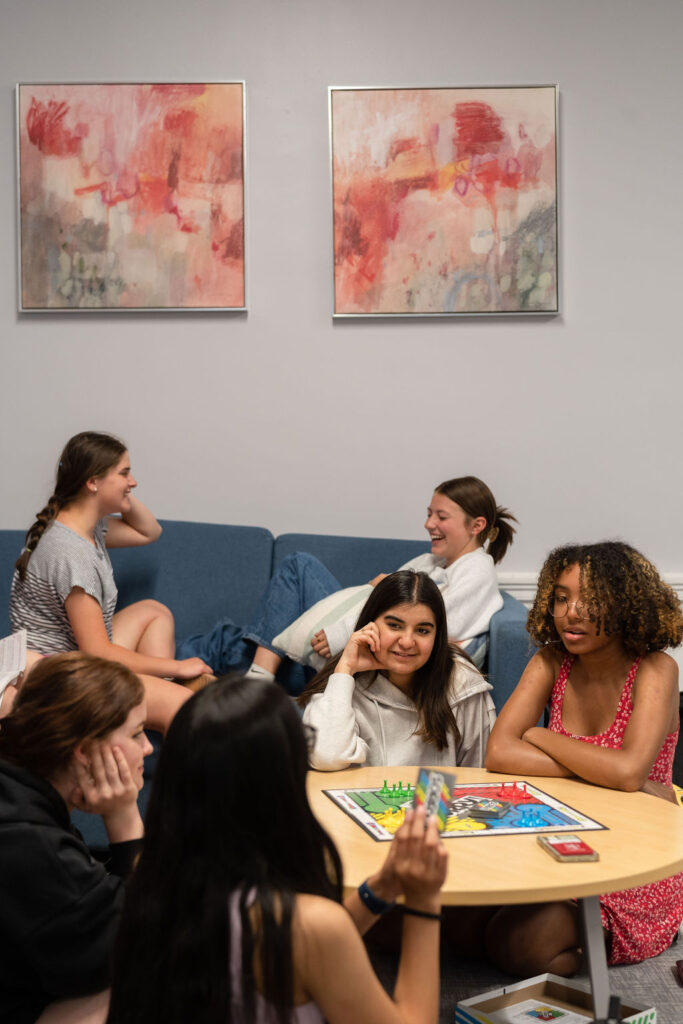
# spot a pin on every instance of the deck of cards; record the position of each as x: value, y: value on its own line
x: 567, y: 847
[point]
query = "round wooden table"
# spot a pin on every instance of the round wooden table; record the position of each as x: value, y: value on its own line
x: 642, y: 842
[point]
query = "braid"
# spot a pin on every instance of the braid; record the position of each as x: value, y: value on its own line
x: 35, y: 532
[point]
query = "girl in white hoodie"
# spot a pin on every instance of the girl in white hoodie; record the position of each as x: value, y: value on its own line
x: 399, y: 693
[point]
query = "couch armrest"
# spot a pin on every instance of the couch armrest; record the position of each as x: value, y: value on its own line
x: 510, y: 648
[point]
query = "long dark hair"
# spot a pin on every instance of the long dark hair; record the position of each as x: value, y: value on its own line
x: 66, y: 700
x: 622, y: 592
x: 431, y: 683
x: 85, y: 455
x: 228, y: 817
x: 476, y: 499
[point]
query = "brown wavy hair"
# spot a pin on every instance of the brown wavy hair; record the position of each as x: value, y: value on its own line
x: 66, y: 700
x: 476, y: 499
x: 85, y: 455
x: 621, y: 591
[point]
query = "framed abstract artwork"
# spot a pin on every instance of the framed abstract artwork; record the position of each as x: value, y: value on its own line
x: 131, y: 196
x: 444, y: 201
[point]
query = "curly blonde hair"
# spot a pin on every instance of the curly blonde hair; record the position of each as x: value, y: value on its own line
x: 621, y: 591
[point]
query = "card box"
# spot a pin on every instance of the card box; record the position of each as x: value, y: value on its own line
x: 567, y: 993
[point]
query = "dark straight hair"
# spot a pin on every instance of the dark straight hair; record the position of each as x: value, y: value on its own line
x: 431, y: 683
x: 228, y: 818
x: 85, y: 455
x: 476, y: 499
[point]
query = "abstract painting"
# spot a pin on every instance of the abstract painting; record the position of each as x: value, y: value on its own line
x: 131, y: 196
x: 445, y: 200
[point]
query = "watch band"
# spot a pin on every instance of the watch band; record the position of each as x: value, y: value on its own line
x: 374, y: 904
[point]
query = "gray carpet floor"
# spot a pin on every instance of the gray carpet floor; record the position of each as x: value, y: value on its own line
x: 652, y: 983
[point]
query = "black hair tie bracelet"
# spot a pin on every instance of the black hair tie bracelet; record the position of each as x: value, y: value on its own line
x: 421, y: 913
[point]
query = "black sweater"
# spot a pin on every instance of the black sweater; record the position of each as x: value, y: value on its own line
x: 59, y: 908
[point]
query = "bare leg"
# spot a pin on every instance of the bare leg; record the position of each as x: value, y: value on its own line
x: 85, y: 1010
x: 267, y: 660
x: 463, y: 929
x: 146, y: 627
x: 535, y: 938
x: 164, y: 699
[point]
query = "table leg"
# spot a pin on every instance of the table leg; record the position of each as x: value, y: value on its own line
x: 596, y: 956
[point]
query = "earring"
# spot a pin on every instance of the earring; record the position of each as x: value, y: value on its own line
x: 94, y: 490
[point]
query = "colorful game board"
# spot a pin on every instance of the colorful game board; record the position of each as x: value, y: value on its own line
x: 477, y: 809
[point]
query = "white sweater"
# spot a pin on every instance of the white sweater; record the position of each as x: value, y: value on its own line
x: 469, y: 587
x: 368, y: 720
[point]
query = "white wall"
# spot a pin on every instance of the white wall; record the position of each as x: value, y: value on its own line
x: 285, y: 419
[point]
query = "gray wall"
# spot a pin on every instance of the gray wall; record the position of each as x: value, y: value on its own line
x: 285, y: 419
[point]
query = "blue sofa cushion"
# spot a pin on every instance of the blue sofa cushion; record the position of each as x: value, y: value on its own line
x: 510, y: 648
x: 202, y: 571
x: 11, y: 543
x: 352, y: 560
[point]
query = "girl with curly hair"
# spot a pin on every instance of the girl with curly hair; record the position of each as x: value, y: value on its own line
x: 602, y: 619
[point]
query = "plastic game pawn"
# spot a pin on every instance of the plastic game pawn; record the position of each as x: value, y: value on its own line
x: 501, y: 791
x: 384, y: 791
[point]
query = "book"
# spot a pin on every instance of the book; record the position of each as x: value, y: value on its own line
x: 12, y: 658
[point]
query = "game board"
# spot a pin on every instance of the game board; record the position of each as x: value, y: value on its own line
x: 477, y: 809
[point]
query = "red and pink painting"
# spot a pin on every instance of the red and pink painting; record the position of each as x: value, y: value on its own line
x: 445, y: 201
x: 131, y: 196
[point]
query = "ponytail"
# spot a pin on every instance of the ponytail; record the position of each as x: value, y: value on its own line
x: 500, y: 535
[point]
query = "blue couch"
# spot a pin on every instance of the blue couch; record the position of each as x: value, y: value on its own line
x: 205, y: 572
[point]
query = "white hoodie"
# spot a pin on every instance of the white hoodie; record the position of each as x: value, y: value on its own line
x: 368, y: 720
x: 469, y: 587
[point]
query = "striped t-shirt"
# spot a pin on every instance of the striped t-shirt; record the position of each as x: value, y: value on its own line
x: 61, y: 561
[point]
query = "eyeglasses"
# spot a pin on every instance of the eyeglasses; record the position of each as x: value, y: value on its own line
x: 310, y: 733
x: 560, y: 606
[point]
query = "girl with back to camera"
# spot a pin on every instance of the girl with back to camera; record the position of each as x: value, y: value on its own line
x: 74, y: 739
x: 63, y: 590
x: 398, y: 693
x: 602, y: 617
x: 470, y: 534
x: 231, y: 839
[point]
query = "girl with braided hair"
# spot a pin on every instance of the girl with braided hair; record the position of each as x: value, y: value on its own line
x: 602, y: 618
x: 63, y: 590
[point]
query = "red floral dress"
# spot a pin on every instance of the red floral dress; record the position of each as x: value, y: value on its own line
x: 643, y: 921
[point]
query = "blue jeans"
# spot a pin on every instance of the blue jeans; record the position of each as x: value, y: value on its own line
x: 299, y: 582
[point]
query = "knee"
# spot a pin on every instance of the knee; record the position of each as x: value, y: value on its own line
x: 298, y: 564
x: 532, y: 940
x: 157, y: 610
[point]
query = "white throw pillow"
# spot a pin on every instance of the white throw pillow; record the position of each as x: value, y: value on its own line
x: 295, y: 641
